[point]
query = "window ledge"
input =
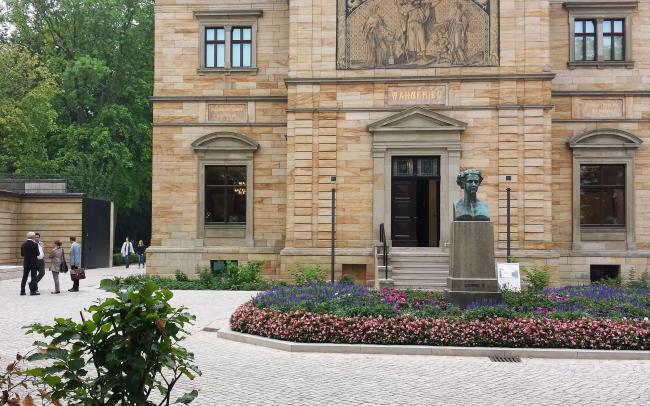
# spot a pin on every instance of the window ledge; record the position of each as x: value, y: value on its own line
x: 227, y: 226
x: 600, y: 64
x: 603, y: 233
x: 226, y: 71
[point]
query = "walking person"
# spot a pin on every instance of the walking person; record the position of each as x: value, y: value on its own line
x: 29, y: 252
x: 75, y: 261
x: 56, y: 261
x: 127, y: 250
x: 139, y: 251
x: 41, y: 257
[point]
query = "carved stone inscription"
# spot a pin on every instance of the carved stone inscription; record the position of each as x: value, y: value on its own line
x: 417, y: 33
x: 600, y: 108
x: 400, y: 96
x: 227, y: 113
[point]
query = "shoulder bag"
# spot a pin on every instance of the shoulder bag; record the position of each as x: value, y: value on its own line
x: 63, y: 268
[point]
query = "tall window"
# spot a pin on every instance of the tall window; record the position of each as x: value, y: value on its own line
x: 227, y: 41
x: 241, y: 47
x: 602, y: 195
x: 215, y: 47
x: 585, y: 40
x: 225, y: 194
x: 613, y: 40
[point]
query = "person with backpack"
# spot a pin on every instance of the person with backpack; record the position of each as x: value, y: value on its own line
x: 127, y: 250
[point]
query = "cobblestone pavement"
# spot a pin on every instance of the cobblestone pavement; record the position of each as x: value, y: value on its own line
x: 241, y: 374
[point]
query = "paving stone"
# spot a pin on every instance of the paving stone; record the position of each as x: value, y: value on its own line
x: 242, y: 374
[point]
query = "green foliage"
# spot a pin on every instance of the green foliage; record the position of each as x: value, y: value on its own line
x: 642, y: 283
x: 537, y: 277
x: 16, y: 380
x: 243, y: 277
x: 85, y: 112
x: 27, y: 113
x: 615, y: 282
x: 527, y: 299
x: 303, y: 274
x: 346, y: 280
x: 118, y: 259
x: 126, y: 350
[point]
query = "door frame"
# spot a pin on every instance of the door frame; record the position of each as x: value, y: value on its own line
x: 415, y: 131
x: 415, y: 179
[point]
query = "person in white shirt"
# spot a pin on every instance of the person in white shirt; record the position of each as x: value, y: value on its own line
x: 41, y: 258
x: 127, y: 250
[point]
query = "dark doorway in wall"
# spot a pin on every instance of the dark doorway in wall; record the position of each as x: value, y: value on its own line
x: 415, y: 201
x: 96, y: 231
x: 598, y: 273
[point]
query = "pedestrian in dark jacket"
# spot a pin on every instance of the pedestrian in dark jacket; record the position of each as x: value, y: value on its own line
x: 29, y: 251
x: 139, y: 251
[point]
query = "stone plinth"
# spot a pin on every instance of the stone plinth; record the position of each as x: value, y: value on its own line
x: 472, y: 274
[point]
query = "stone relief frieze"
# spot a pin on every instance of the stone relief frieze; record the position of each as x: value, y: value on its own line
x: 417, y: 33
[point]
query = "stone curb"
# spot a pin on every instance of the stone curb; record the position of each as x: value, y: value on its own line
x: 550, y: 353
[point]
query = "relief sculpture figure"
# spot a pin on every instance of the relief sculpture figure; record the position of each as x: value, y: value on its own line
x: 416, y: 15
x: 416, y: 33
x: 469, y: 208
x: 376, y: 33
x: 458, y: 27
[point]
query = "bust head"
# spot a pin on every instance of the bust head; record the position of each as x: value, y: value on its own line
x: 469, y: 180
x: 469, y: 208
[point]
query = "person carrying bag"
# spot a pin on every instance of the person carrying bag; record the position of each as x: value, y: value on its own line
x: 76, y: 271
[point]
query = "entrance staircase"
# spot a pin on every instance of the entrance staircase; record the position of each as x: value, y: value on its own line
x: 413, y: 268
x: 419, y: 268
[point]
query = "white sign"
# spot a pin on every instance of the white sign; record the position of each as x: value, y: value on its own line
x: 509, y: 276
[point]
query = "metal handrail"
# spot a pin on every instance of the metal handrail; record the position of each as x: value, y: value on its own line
x: 382, y: 239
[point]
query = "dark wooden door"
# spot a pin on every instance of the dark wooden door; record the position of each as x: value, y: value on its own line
x: 404, y: 212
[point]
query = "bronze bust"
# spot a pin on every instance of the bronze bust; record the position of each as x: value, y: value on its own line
x: 469, y: 208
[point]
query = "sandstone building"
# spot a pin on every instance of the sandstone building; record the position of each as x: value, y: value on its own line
x: 261, y: 107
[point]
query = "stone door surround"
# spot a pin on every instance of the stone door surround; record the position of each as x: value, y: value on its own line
x: 416, y: 131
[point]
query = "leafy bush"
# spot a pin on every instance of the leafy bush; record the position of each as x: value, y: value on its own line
x: 126, y: 350
x: 642, y: 283
x: 243, y: 277
x: 19, y: 387
x: 538, y: 278
x: 303, y: 274
x: 346, y: 280
x: 118, y: 259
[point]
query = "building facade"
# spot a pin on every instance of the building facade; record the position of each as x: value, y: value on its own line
x: 262, y: 107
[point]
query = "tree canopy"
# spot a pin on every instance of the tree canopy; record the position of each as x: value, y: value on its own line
x: 74, y: 98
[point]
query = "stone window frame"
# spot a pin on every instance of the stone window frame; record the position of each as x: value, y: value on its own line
x: 604, y: 146
x: 599, y: 11
x: 227, y: 149
x: 227, y: 19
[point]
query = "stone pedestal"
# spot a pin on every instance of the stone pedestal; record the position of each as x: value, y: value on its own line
x: 472, y: 273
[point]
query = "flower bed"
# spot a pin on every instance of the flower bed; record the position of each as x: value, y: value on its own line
x: 595, y: 317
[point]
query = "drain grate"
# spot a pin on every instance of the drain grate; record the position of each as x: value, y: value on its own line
x: 505, y: 359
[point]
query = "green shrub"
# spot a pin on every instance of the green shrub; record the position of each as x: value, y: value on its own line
x: 118, y: 259
x: 243, y: 277
x: 346, y: 280
x: 127, y: 350
x: 526, y: 300
x: 303, y: 274
x: 615, y: 282
x: 642, y: 283
x: 181, y: 277
x: 538, y: 278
